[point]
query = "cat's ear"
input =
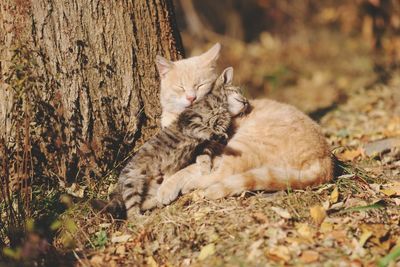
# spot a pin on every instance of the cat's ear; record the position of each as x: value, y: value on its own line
x: 227, y: 75
x: 210, y: 57
x: 163, y: 65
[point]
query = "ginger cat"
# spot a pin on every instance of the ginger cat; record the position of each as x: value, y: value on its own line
x: 185, y: 81
x: 274, y: 147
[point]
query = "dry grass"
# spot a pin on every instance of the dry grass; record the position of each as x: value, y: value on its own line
x: 246, y: 231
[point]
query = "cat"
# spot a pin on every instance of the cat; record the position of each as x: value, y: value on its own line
x: 274, y: 147
x: 176, y: 146
x: 185, y: 81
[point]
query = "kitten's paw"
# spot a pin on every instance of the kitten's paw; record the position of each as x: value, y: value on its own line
x: 189, y: 186
x: 215, y: 191
x: 203, y: 159
x: 150, y: 204
x: 167, y: 193
x: 204, y: 164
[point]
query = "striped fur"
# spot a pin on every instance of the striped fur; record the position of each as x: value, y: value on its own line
x: 176, y: 146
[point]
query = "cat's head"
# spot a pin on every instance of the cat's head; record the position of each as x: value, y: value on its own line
x: 237, y: 103
x: 186, y: 81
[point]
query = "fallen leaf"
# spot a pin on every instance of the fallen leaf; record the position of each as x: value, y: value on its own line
x: 305, y: 231
x: 207, y: 251
x: 96, y: 260
x: 380, y: 146
x: 392, y: 189
x: 318, y: 214
x: 338, y: 235
x: 350, y: 155
x: 280, y: 252
x: 388, y: 192
x: 309, y: 256
x: 260, y: 217
x: 282, y: 212
x: 326, y: 227
x: 151, y: 262
x: 334, y: 195
x: 120, y: 250
x: 120, y: 239
x: 364, y: 237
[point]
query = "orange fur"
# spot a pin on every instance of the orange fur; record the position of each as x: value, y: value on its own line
x: 274, y: 147
x: 280, y: 148
x: 277, y: 147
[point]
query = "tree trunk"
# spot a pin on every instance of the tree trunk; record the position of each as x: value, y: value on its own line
x: 79, y: 83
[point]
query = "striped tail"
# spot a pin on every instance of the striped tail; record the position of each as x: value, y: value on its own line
x: 115, y: 207
x: 133, y: 189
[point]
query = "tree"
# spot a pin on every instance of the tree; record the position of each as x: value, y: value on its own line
x: 79, y: 85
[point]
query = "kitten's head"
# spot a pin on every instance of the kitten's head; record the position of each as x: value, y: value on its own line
x: 186, y: 81
x: 237, y: 103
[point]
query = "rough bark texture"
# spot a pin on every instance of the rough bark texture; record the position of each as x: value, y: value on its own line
x: 92, y: 95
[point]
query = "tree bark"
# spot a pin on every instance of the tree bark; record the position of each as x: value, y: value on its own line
x: 88, y: 90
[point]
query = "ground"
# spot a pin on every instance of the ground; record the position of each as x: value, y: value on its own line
x: 351, y: 221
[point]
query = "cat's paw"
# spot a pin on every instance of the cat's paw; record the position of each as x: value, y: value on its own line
x: 190, y: 185
x: 215, y: 191
x: 167, y: 193
x: 204, y: 164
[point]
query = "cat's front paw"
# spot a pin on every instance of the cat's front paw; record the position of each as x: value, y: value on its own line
x: 167, y: 193
x: 204, y: 163
x: 215, y: 191
x: 190, y: 185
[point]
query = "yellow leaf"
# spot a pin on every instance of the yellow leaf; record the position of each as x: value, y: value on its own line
x: 364, y: 237
x: 207, y: 251
x: 151, y: 262
x: 392, y: 189
x: 326, y: 227
x: 281, y: 252
x: 318, y: 214
x: 305, y: 231
x: 389, y: 192
x: 309, y: 256
x: 350, y: 155
x: 334, y: 195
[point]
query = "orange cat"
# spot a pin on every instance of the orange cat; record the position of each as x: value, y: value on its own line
x: 274, y: 147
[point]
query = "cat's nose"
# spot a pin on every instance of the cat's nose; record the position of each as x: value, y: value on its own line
x: 191, y: 98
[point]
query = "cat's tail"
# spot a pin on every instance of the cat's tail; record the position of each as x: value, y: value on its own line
x: 266, y: 178
x: 127, y: 199
x: 115, y: 207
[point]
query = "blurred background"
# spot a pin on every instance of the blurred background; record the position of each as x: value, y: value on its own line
x: 311, y: 54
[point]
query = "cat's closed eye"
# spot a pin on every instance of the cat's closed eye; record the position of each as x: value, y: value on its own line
x: 202, y: 86
x: 180, y: 88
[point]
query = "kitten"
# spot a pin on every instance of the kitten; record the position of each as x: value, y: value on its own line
x: 274, y: 147
x: 177, y: 145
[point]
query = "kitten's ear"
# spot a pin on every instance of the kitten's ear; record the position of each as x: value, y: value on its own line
x: 225, y: 78
x: 163, y: 65
x: 227, y: 75
x: 210, y: 57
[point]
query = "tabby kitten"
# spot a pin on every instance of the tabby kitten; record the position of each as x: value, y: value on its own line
x: 177, y: 145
